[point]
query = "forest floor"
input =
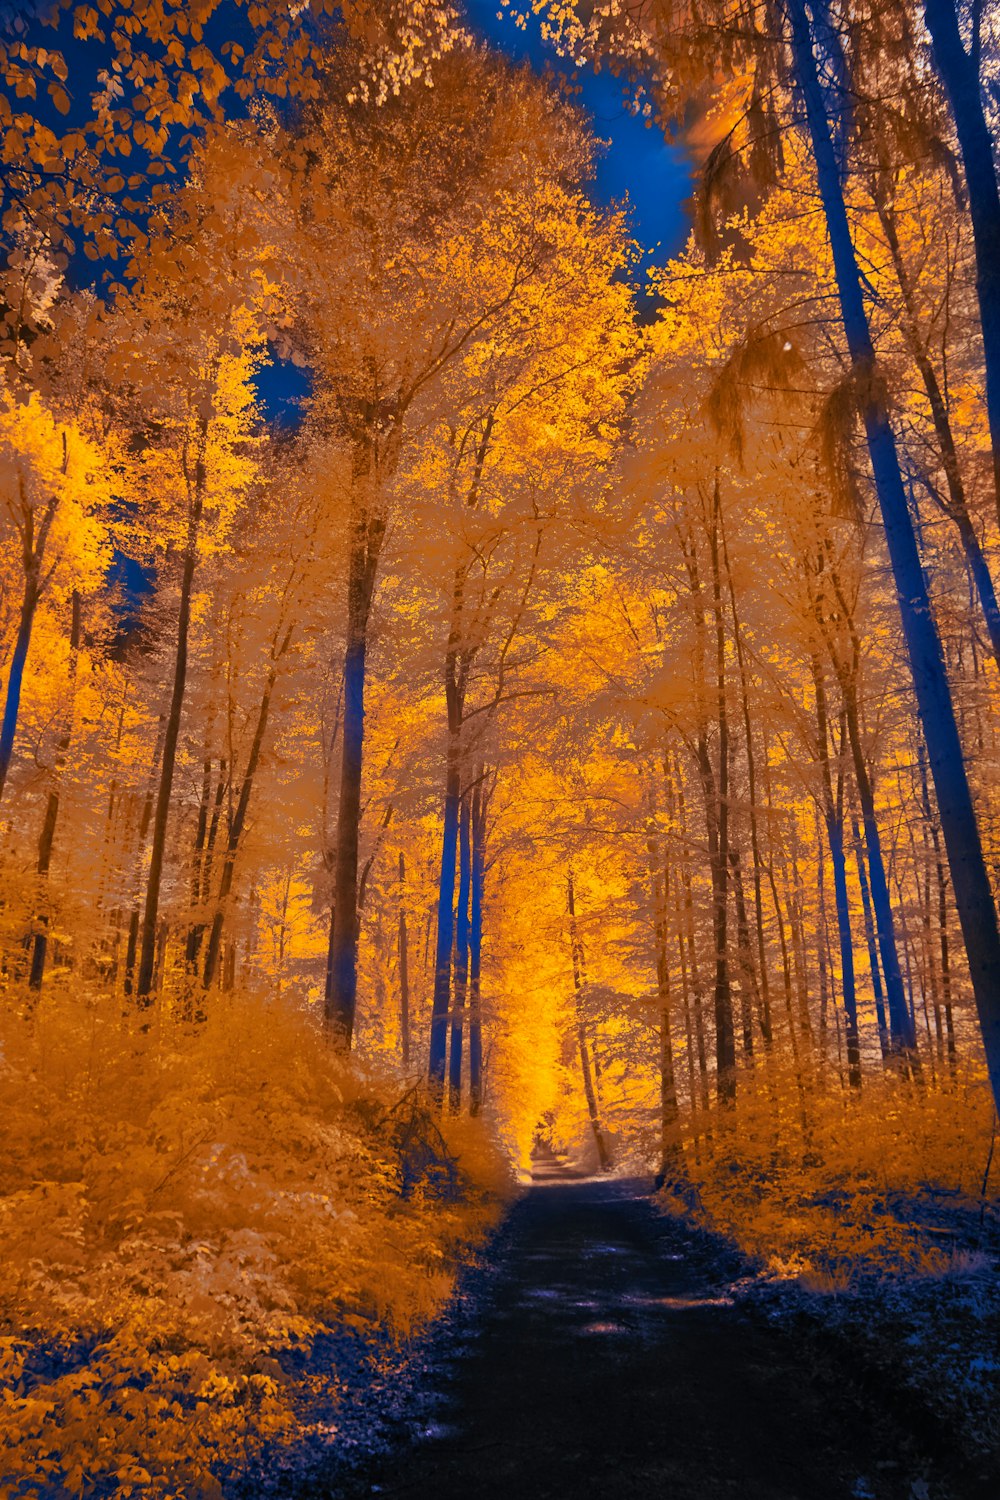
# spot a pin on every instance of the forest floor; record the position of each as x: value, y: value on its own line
x: 608, y: 1349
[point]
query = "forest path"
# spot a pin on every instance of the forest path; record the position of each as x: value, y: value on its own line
x: 611, y: 1362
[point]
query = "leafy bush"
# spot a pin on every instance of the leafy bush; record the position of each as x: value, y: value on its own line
x: 888, y: 1182
x: 182, y: 1211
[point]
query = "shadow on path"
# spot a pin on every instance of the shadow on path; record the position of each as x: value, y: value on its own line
x: 612, y: 1363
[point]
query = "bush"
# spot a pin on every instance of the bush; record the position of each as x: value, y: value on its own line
x: 182, y: 1211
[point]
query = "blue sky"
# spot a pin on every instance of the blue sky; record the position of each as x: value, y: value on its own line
x: 638, y: 163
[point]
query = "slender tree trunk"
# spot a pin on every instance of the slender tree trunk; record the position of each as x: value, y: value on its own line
x: 942, y: 909
x: 671, y: 1154
x: 340, y: 1002
x: 145, y: 819
x: 196, y: 930
x: 462, y: 922
x: 957, y: 507
x: 581, y: 1033
x: 367, y: 533
x: 33, y: 545
x: 833, y: 812
x: 758, y: 893
x: 480, y: 802
x: 454, y: 699
x: 873, y: 964
x: 402, y: 943
x: 15, y: 678
x: 149, y: 927
x: 48, y: 833
x: 725, y: 1036
x: 970, y: 881
x: 749, y: 990
x: 901, y: 1034
x: 240, y: 816
x: 959, y: 72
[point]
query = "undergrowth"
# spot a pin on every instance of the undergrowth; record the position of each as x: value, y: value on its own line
x: 182, y: 1212
x: 875, y: 1218
x: 833, y: 1187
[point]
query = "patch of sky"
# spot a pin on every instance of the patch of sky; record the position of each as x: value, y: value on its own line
x: 637, y: 164
x: 282, y: 388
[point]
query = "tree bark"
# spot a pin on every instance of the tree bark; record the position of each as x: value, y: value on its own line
x: 671, y: 1154
x: 833, y: 815
x: 149, y: 927
x: 403, y: 951
x: 462, y: 924
x: 48, y: 833
x: 970, y: 881
x: 959, y: 72
x: 480, y: 804
x: 581, y: 1032
x: 32, y: 555
x: 240, y: 816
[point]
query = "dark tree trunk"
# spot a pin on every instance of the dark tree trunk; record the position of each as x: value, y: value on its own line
x: 240, y: 816
x: 873, y: 964
x: 758, y: 894
x: 367, y: 534
x: 454, y: 686
x: 671, y: 1155
x: 15, y: 679
x: 342, y: 967
x: 480, y: 803
x: 196, y: 930
x: 33, y: 545
x: 970, y: 881
x: 462, y: 924
x: 48, y: 833
x: 581, y: 1032
x: 833, y: 814
x: 148, y: 928
x: 956, y: 507
x: 959, y: 72
x: 749, y: 990
x: 403, y: 950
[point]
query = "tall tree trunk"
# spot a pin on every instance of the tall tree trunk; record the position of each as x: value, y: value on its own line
x: 833, y: 813
x: 454, y: 685
x: 873, y: 963
x: 901, y: 1034
x: 149, y: 927
x: 196, y: 930
x: 33, y: 545
x: 942, y: 908
x: 342, y: 965
x: 671, y: 1155
x: 581, y: 1032
x: 142, y: 833
x: 368, y: 524
x: 959, y: 72
x: 462, y: 922
x: 403, y: 950
x: 749, y: 990
x: 240, y: 816
x: 15, y: 678
x: 725, y: 1036
x: 970, y: 881
x: 689, y: 963
x: 956, y: 507
x: 48, y: 833
x: 480, y: 803
x: 758, y: 892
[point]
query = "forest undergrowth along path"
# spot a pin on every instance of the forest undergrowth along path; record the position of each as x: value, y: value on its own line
x: 613, y: 1361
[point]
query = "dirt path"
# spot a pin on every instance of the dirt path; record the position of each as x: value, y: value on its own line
x: 611, y: 1363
